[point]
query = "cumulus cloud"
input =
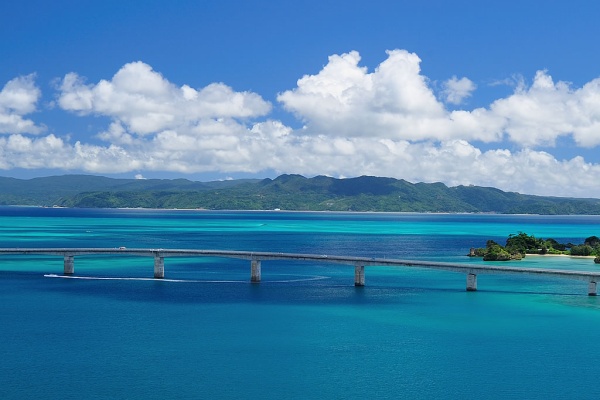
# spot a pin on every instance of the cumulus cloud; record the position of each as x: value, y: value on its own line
x: 18, y: 98
x: 456, y: 90
x: 388, y: 122
x: 145, y: 102
x: 538, y: 115
x: 269, y: 146
x: 396, y: 102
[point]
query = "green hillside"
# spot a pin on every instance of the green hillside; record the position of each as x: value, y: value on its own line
x: 287, y: 192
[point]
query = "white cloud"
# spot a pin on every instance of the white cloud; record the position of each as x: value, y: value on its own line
x: 146, y: 103
x: 344, y: 99
x: 394, y: 101
x: 387, y: 123
x: 18, y: 98
x: 268, y: 146
x: 456, y: 90
x: 538, y: 115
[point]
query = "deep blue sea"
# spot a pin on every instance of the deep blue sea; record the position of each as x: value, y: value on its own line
x: 304, y: 332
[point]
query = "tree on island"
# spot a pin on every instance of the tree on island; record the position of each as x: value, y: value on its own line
x: 523, y: 244
x: 519, y: 245
x: 593, y: 241
x: 495, y: 252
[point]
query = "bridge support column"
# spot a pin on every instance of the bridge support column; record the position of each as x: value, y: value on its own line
x: 69, y: 265
x: 359, y: 275
x: 159, y: 267
x: 592, y: 289
x: 471, y: 283
x: 255, y: 271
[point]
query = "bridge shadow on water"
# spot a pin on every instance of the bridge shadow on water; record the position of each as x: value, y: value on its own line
x: 327, y: 290
x: 298, y: 290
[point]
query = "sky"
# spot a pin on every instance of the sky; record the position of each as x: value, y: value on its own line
x: 487, y: 93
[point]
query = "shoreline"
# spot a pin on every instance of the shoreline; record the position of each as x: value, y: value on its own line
x: 558, y: 255
x: 300, y: 211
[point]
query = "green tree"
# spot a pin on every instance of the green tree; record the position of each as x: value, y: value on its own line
x: 553, y: 244
x: 581, y: 250
x: 593, y: 241
x: 495, y: 252
x: 523, y: 243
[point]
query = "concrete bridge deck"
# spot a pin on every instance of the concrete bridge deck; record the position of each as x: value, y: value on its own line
x: 255, y: 258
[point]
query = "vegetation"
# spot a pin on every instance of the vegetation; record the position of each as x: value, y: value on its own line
x: 287, y: 192
x: 519, y: 245
x: 495, y: 252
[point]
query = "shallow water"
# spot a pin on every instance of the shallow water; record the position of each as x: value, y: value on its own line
x: 305, y: 331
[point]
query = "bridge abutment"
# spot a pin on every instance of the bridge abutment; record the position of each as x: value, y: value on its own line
x: 471, y: 283
x: 69, y: 265
x: 592, y: 289
x: 255, y: 271
x: 359, y: 275
x: 159, y: 267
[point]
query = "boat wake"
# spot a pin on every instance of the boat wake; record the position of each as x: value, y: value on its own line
x: 101, y: 278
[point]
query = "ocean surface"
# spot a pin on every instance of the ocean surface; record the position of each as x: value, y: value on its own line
x: 304, y: 332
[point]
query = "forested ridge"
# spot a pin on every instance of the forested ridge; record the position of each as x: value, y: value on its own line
x: 286, y: 192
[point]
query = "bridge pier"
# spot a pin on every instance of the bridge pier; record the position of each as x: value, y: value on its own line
x: 592, y: 289
x: 255, y: 271
x: 159, y: 267
x: 471, y: 283
x: 69, y: 265
x: 359, y: 275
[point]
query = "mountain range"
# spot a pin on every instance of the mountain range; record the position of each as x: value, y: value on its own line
x: 286, y: 192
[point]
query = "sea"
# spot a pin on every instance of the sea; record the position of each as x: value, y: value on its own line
x: 305, y: 331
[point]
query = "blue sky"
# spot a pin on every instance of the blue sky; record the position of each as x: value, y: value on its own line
x: 503, y: 94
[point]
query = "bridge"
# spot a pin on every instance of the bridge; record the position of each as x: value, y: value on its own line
x: 470, y: 270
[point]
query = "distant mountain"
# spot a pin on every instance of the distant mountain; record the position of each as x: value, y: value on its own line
x: 53, y: 190
x: 287, y: 192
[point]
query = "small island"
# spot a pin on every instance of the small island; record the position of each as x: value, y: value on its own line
x: 519, y: 245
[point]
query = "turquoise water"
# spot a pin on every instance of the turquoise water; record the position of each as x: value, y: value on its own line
x: 305, y: 331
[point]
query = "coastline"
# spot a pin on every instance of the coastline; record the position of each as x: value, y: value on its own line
x: 558, y: 255
x: 475, y: 213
